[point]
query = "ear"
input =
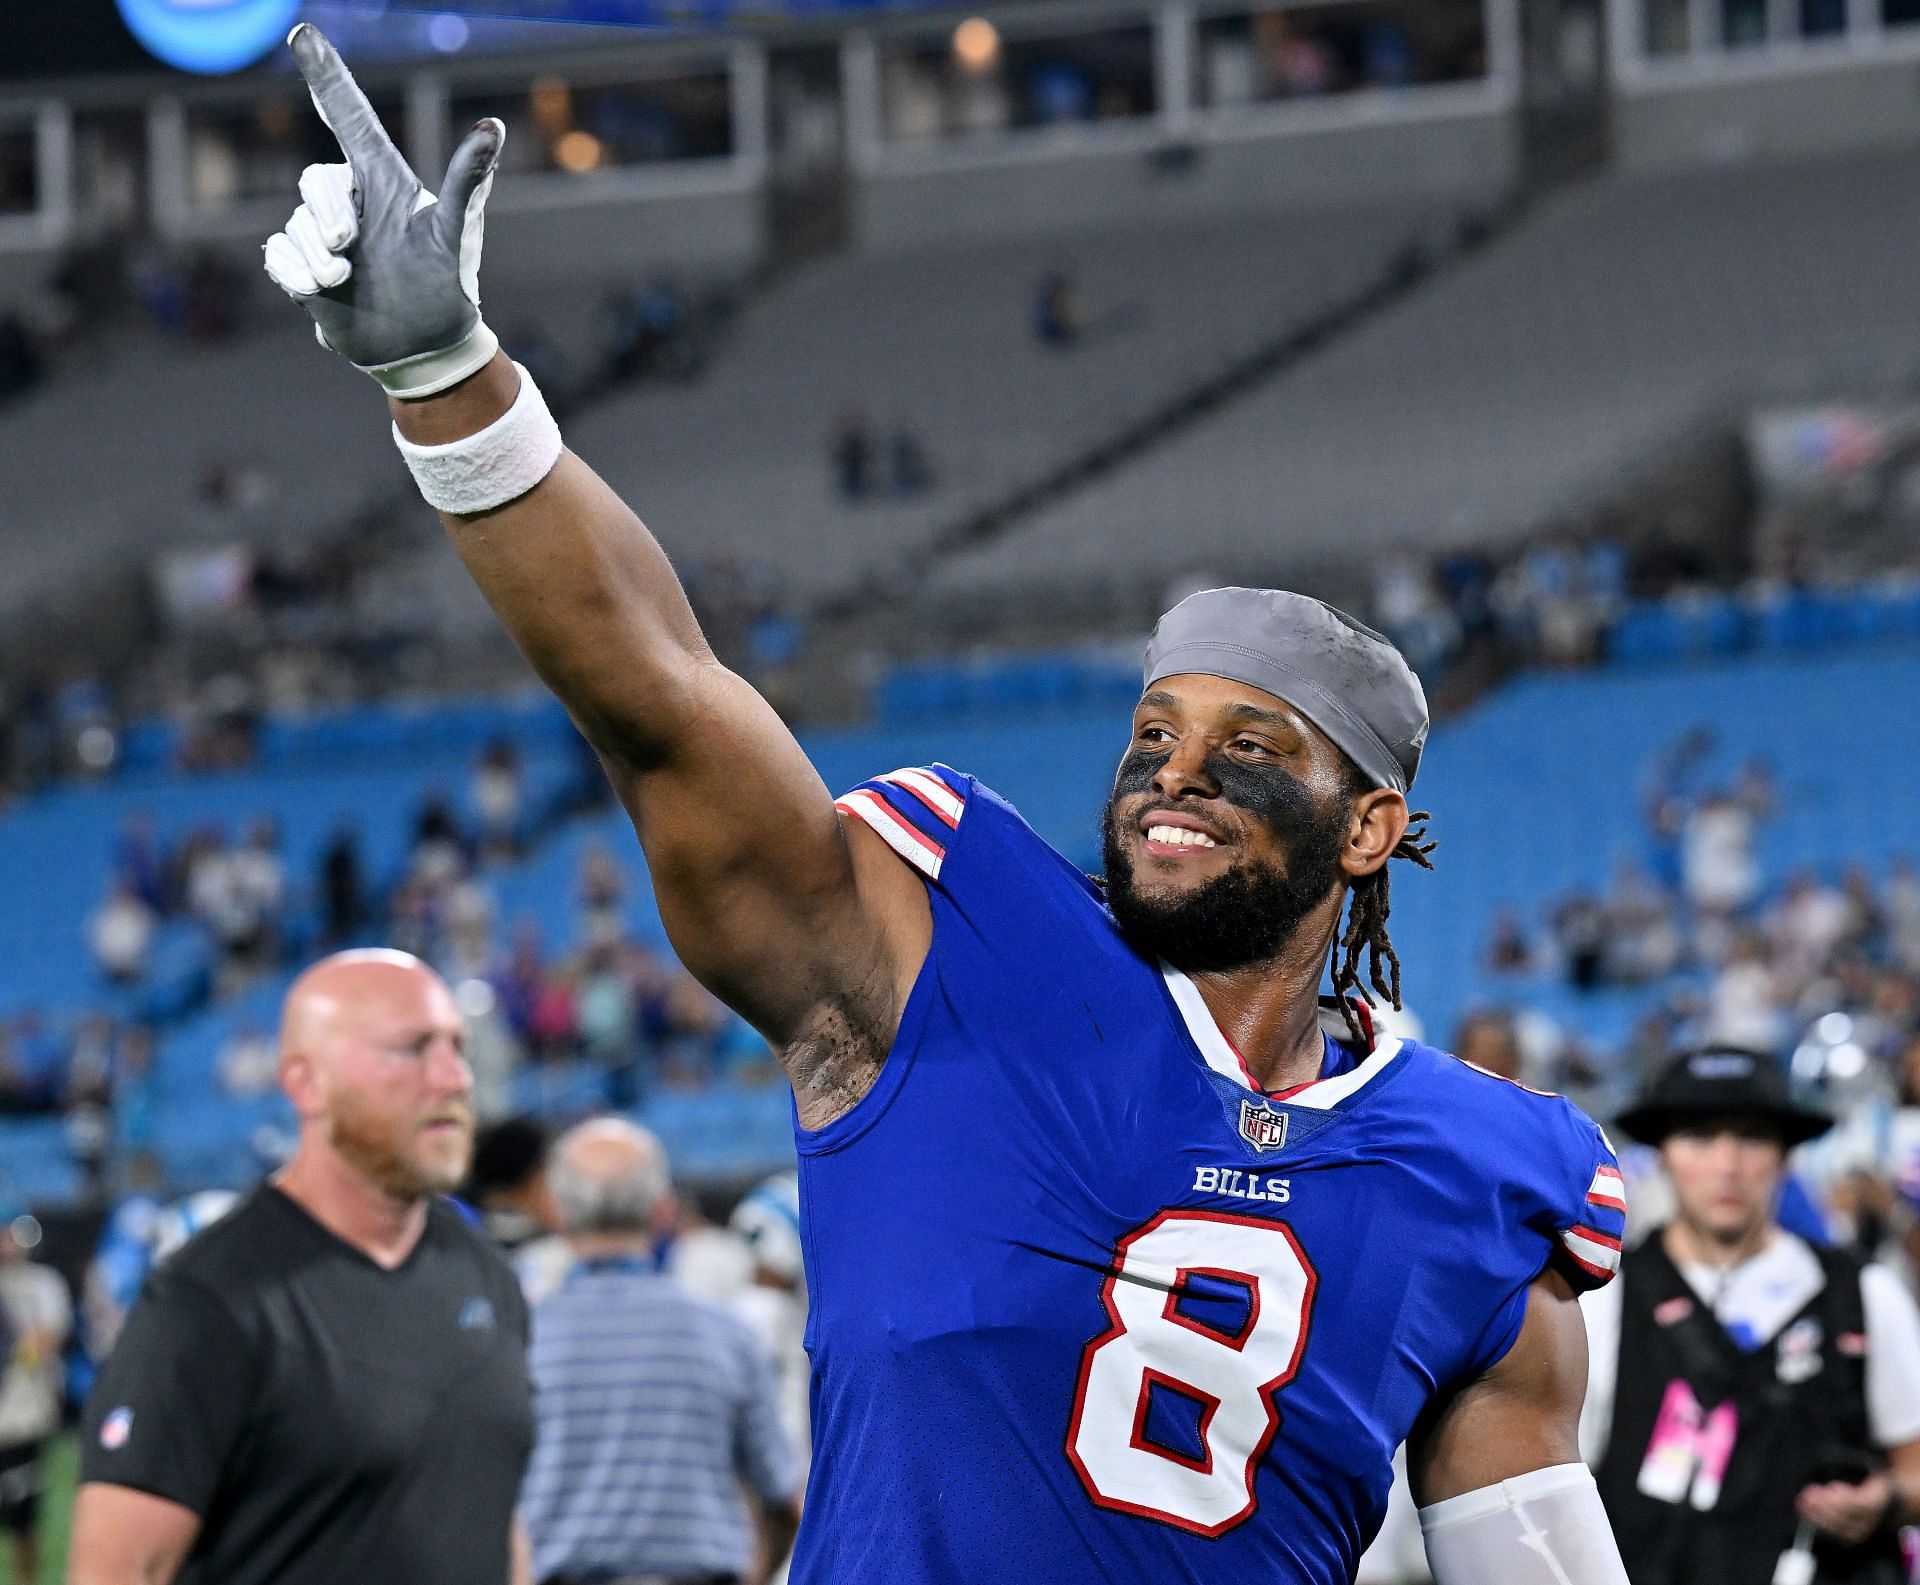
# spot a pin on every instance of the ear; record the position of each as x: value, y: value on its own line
x: 666, y: 1215
x: 1380, y: 818
x: 300, y: 1079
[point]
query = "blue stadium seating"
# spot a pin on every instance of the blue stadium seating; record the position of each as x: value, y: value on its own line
x: 1680, y: 628
x: 1692, y: 625
x: 923, y: 691
x: 1702, y: 625
x: 371, y: 769
x: 1536, y: 791
x: 36, y: 1162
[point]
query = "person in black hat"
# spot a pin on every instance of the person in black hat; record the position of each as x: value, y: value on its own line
x: 1753, y: 1402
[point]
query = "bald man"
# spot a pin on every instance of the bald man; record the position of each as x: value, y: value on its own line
x: 330, y: 1384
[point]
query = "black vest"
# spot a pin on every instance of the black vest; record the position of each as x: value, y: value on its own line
x: 1801, y: 1403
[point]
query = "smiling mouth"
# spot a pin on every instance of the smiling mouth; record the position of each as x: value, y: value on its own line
x: 1175, y: 838
x: 1178, y: 837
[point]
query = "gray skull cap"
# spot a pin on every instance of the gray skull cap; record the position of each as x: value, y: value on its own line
x: 1346, y: 679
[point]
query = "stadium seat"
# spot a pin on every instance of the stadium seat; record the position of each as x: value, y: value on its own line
x: 1517, y: 389
x: 1647, y: 631
x: 1535, y: 792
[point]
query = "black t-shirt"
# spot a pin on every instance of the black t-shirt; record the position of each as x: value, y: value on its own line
x: 327, y: 1419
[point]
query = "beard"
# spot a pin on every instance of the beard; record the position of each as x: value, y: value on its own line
x: 378, y: 1148
x: 1244, y: 915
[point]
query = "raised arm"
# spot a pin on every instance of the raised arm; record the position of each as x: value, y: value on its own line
x: 808, y: 927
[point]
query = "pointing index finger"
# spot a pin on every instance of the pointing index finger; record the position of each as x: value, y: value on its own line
x: 339, y: 100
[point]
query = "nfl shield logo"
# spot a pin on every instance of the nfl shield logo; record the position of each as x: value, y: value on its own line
x: 1262, y: 1127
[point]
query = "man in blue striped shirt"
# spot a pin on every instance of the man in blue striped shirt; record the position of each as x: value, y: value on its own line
x: 656, y: 1410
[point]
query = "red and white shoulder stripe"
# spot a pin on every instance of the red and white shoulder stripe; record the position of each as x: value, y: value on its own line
x: 1594, y: 1252
x: 913, y: 810
x: 1609, y: 1189
x: 946, y: 804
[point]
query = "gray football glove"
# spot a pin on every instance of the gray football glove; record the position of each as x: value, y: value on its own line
x: 390, y: 274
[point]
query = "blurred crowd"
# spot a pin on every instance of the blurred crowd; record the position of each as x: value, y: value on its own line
x: 1310, y: 53
x: 285, y: 632
x: 1548, y: 603
x: 869, y: 463
x: 597, y: 1018
x: 985, y: 85
x: 1468, y: 616
x: 238, y: 619
x: 197, y: 295
x: 1691, y: 899
x: 44, y: 1068
x: 234, y: 889
x: 607, y: 1022
x: 1820, y: 970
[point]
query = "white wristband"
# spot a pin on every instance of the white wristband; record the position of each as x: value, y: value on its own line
x: 496, y: 465
x: 430, y: 373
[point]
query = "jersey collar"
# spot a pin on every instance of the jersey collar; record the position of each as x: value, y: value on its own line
x: 1218, y: 1053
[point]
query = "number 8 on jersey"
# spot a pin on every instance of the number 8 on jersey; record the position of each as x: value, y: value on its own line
x: 1225, y: 1359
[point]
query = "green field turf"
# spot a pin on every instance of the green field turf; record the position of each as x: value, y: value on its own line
x: 55, y: 1511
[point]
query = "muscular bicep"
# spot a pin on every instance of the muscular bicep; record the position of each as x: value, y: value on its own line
x: 126, y: 1537
x: 785, y: 910
x: 1522, y: 1415
x: 766, y: 899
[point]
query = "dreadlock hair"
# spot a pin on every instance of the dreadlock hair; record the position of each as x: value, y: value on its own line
x: 1367, y: 909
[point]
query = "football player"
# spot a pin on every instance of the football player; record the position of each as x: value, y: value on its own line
x: 1128, y: 1260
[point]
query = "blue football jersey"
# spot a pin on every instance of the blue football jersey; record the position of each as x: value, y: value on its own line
x: 1087, y: 1306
